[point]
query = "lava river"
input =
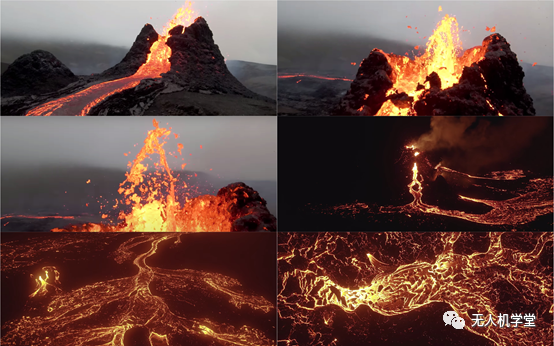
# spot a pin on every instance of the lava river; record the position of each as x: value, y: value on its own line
x: 157, y: 63
x: 107, y: 312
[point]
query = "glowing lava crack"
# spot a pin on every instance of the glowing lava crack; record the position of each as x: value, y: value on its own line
x: 104, y: 312
x: 322, y: 273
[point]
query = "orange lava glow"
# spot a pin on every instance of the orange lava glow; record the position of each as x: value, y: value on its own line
x: 324, y: 277
x: 157, y: 63
x: 12, y: 216
x: 536, y: 200
x: 155, y: 207
x: 284, y: 76
x: 441, y: 56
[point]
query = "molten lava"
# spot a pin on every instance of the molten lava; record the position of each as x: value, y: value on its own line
x: 442, y: 57
x: 285, y: 76
x: 532, y: 200
x: 335, y: 288
x: 157, y: 63
x: 163, y: 302
x: 155, y: 206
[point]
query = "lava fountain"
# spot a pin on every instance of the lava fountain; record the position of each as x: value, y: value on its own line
x: 156, y: 207
x: 444, y: 80
x: 157, y: 63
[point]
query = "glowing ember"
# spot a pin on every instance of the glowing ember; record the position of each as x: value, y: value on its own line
x: 157, y: 63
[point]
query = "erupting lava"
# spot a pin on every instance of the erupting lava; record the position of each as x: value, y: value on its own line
x: 157, y: 63
x: 335, y: 288
x: 152, y: 306
x: 484, y: 80
x: 156, y: 207
x: 441, y: 57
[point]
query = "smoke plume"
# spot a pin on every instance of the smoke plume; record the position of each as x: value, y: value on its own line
x: 477, y: 144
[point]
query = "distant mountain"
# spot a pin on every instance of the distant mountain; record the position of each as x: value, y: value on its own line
x: 64, y: 189
x: 330, y: 52
x: 539, y: 82
x: 4, y: 66
x: 260, y: 78
x: 80, y: 58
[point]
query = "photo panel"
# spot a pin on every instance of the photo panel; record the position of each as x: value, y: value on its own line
x: 416, y: 173
x: 415, y: 288
x: 162, y: 174
x: 365, y: 58
x: 139, y: 58
x: 138, y: 289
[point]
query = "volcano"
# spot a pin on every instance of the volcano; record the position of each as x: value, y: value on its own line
x: 484, y: 80
x: 180, y: 72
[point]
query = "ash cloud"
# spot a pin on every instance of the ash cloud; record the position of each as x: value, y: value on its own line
x: 476, y: 145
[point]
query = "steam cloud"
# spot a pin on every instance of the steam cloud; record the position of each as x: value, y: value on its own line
x: 474, y: 144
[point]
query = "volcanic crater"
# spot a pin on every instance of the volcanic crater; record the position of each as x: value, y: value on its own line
x: 180, y: 73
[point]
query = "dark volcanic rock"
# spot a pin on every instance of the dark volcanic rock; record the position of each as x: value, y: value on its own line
x: 491, y: 86
x: 197, y: 66
x: 36, y: 73
x: 248, y: 209
x: 197, y: 63
x: 178, y: 30
x: 504, y: 86
x: 368, y: 90
x: 137, y: 55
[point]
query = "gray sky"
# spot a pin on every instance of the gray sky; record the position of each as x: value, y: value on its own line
x: 244, y: 30
x: 527, y: 25
x: 242, y: 148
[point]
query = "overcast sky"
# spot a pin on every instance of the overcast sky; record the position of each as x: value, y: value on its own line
x: 243, y: 148
x: 526, y: 25
x: 244, y: 30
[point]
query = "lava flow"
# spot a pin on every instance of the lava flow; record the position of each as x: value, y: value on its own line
x: 387, y: 288
x: 156, y: 207
x: 157, y: 63
x: 533, y: 199
x: 285, y: 76
x: 153, y: 306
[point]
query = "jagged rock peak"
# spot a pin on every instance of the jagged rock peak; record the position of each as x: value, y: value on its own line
x: 137, y: 55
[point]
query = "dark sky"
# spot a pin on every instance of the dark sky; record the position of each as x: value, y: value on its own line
x: 244, y: 30
x: 527, y: 25
x: 233, y: 147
